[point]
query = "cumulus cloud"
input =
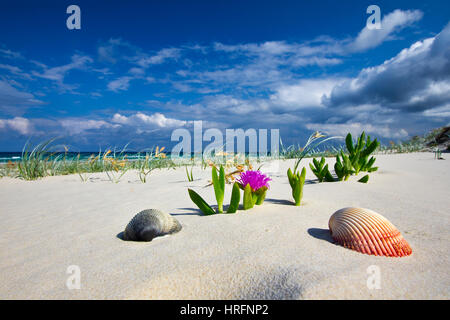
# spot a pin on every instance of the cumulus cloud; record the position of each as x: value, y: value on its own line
x: 116, y: 126
x: 415, y: 80
x: 156, y: 120
x: 18, y: 124
x: 306, y: 93
x: 294, y: 86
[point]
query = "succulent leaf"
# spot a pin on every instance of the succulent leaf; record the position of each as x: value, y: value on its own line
x: 235, y: 198
x: 201, y: 204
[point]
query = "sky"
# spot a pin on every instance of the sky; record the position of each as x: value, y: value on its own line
x: 138, y: 70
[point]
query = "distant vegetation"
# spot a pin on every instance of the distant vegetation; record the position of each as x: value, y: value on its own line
x: 41, y: 160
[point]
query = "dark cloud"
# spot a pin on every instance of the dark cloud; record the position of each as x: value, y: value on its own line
x: 416, y: 79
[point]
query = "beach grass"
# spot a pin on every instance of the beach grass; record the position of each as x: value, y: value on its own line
x: 42, y: 159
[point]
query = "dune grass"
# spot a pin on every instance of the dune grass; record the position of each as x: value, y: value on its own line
x: 43, y: 160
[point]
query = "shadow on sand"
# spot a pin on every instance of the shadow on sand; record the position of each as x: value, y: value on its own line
x: 280, y: 201
x: 322, y: 234
x: 190, y: 212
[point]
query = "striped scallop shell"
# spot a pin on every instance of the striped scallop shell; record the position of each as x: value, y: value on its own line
x: 368, y: 232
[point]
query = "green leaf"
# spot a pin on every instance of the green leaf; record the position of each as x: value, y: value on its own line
x: 219, y: 187
x: 303, y: 175
x: 361, y: 141
x: 248, y: 201
x: 328, y: 176
x: 297, y: 193
x: 370, y: 148
x: 235, y: 198
x: 291, y: 177
x: 298, y: 189
x: 201, y: 204
x: 349, y: 143
x: 222, y: 178
x: 317, y: 169
x: 322, y: 163
x: 338, y: 169
x: 364, y: 179
x: 314, y: 170
x: 260, y: 195
x: 316, y: 164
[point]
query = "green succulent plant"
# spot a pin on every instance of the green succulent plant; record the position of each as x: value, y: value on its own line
x: 201, y: 204
x: 344, y: 167
x: 219, y: 191
x: 320, y: 169
x: 297, y: 181
x: 359, y: 154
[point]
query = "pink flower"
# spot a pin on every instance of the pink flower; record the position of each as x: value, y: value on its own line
x: 256, y: 179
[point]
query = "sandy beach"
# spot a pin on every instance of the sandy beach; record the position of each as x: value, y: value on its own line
x: 273, y: 251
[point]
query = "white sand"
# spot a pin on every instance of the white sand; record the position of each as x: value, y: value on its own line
x: 274, y: 251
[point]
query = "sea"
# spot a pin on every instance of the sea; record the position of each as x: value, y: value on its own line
x: 17, y: 156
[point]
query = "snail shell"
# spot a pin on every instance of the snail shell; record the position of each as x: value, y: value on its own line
x: 367, y: 232
x: 149, y: 224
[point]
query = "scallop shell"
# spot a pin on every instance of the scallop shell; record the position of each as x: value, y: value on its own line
x: 368, y: 232
x: 149, y: 224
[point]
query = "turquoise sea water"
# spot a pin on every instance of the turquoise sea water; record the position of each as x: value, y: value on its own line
x: 16, y: 156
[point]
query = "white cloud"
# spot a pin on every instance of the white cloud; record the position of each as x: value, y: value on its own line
x: 10, y: 54
x: 155, y: 120
x: 137, y: 71
x: 390, y: 24
x: 77, y: 126
x: 19, y: 124
x: 306, y: 93
x: 162, y: 56
x: 310, y: 61
x: 355, y: 128
x: 11, y: 99
x: 120, y: 84
x: 414, y: 80
x: 58, y: 73
x: 441, y: 112
x: 15, y: 70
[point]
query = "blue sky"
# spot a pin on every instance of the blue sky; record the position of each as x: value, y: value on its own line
x: 137, y: 70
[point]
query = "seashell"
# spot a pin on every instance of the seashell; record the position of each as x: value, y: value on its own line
x: 149, y: 224
x: 368, y: 232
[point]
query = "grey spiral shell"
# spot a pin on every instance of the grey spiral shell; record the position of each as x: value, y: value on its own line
x: 149, y: 224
